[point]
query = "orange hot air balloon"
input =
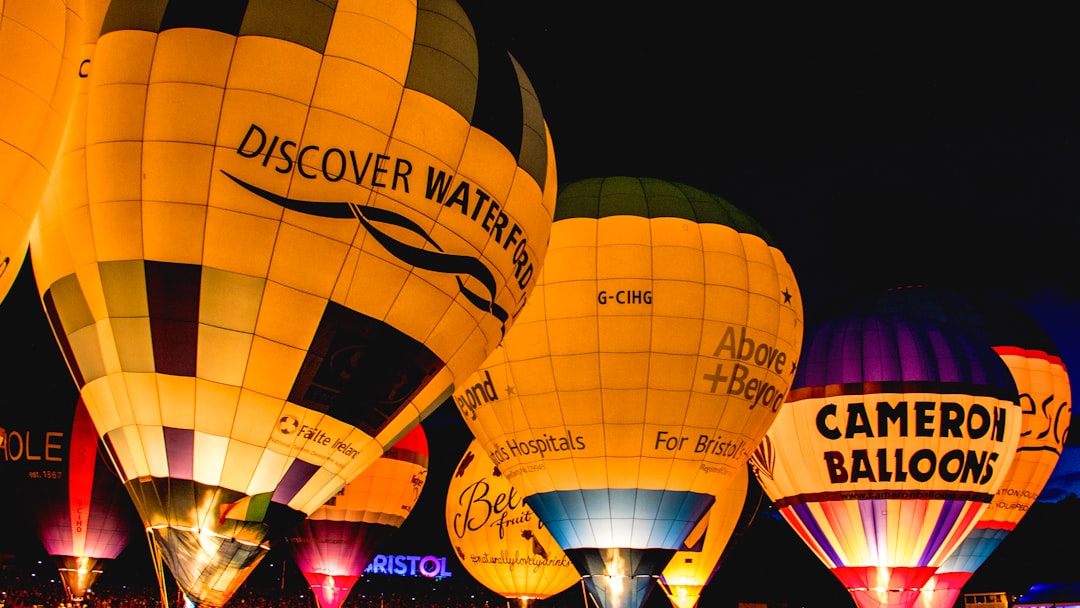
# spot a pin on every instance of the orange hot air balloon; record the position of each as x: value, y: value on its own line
x: 1045, y: 399
x: 39, y: 41
x: 498, y: 538
x: 895, y: 436
x: 693, y: 566
x: 649, y: 361
x: 78, y: 507
x: 273, y: 227
x: 333, y: 545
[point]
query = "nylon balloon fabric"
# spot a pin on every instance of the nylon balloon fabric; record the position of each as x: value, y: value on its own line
x: 650, y: 360
x: 895, y: 437
x: 1045, y: 399
x: 273, y: 228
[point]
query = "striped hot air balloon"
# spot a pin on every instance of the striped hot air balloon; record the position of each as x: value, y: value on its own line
x: 647, y: 365
x: 273, y: 227
x: 894, y: 439
x: 1045, y: 399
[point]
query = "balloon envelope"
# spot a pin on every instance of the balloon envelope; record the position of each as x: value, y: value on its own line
x: 894, y: 438
x: 273, y: 227
x: 333, y: 545
x: 645, y: 367
x: 693, y: 566
x: 77, y: 505
x: 38, y: 44
x: 1045, y: 399
x: 498, y: 538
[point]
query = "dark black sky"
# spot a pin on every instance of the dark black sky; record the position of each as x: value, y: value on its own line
x: 880, y: 147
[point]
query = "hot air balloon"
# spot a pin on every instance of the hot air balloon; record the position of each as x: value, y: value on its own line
x: 333, y: 545
x: 273, y: 227
x: 78, y: 507
x: 38, y: 44
x: 1045, y: 400
x: 644, y: 369
x: 894, y: 438
x: 498, y: 538
x: 703, y: 551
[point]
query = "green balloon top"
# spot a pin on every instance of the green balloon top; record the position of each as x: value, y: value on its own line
x: 599, y: 197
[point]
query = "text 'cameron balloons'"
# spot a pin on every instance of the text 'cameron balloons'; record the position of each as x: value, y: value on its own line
x: 648, y: 363
x: 693, y: 566
x: 895, y: 436
x: 333, y: 545
x: 1045, y: 400
x: 78, y: 506
x: 38, y: 41
x: 276, y: 226
x: 498, y: 538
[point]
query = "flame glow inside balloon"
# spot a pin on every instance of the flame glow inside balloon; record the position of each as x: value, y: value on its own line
x: 333, y: 545
x: 274, y: 227
x: 649, y: 361
x: 78, y: 507
x: 498, y: 538
x: 895, y: 437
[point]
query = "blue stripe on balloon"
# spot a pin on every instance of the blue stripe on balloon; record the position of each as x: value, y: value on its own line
x: 630, y: 518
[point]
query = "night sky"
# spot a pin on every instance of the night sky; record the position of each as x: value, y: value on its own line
x: 879, y: 149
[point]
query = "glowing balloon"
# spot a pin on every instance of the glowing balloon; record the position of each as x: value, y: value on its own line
x: 38, y: 43
x: 1045, y: 400
x: 333, y: 545
x: 693, y: 566
x: 498, y: 538
x: 648, y: 363
x: 894, y: 438
x: 273, y: 227
x: 78, y: 507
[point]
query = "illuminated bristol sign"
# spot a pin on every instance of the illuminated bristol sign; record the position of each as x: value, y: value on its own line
x: 409, y: 565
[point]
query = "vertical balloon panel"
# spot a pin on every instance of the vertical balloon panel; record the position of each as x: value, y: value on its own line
x: 649, y: 361
x: 895, y: 436
x: 275, y: 228
x: 498, y: 538
x: 333, y: 545
x: 39, y: 41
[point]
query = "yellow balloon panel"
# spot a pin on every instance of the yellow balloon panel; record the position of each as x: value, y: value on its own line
x: 922, y: 442
x: 498, y: 538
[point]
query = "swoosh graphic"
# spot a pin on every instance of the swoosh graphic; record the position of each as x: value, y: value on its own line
x: 435, y: 261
